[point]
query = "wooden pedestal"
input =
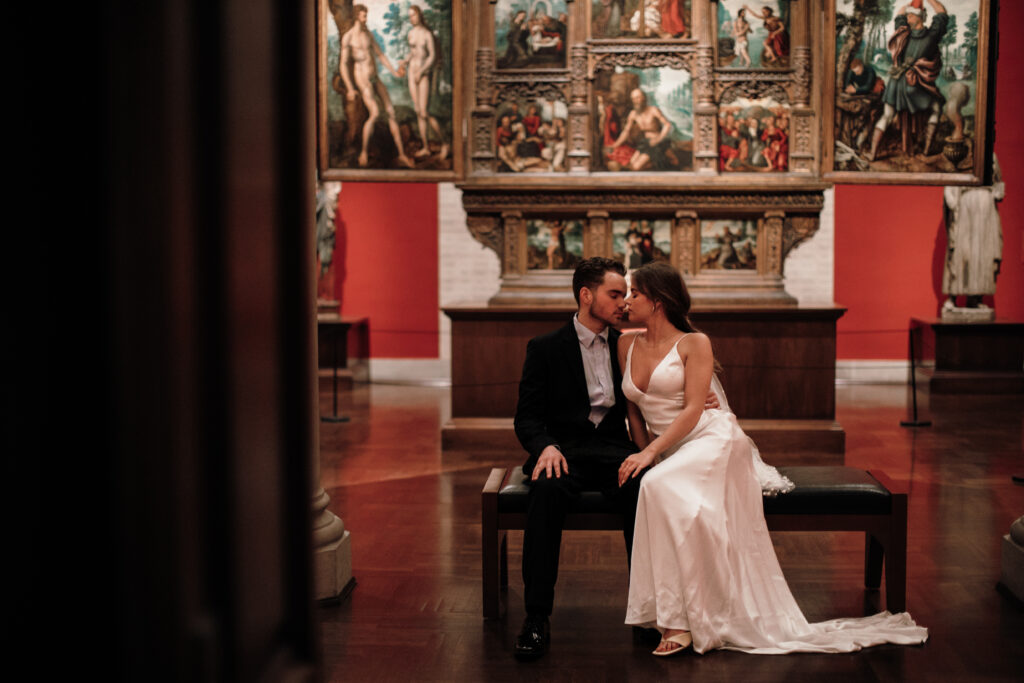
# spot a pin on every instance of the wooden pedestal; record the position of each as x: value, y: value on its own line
x: 969, y: 358
x: 779, y: 375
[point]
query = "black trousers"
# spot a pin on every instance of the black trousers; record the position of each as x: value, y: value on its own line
x: 549, y: 502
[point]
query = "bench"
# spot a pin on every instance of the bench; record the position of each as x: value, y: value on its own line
x: 826, y: 498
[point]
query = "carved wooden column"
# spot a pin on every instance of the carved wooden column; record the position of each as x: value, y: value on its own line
x: 801, y: 158
x: 514, y: 262
x: 705, y: 113
x: 579, y: 113
x: 773, y: 224
x: 597, y: 238
x: 481, y: 134
x: 686, y: 238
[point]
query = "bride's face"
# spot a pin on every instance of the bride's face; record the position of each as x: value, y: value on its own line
x: 638, y: 306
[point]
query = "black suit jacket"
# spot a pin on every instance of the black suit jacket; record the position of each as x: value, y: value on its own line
x: 554, y: 403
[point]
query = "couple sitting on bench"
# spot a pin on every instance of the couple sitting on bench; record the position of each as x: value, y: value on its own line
x: 689, y: 483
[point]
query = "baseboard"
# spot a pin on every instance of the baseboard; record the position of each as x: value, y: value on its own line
x: 872, y: 372
x: 426, y: 371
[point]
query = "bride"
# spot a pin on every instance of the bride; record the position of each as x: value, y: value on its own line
x: 703, y: 568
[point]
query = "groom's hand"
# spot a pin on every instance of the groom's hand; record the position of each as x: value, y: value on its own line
x: 711, y: 402
x: 551, y: 461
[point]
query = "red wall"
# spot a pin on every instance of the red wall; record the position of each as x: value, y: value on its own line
x: 386, y: 253
x: 890, y: 241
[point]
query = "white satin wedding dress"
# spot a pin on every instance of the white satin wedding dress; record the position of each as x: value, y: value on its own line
x: 702, y: 557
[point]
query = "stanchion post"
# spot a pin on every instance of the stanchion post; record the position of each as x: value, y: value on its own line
x: 913, y: 384
x: 334, y: 417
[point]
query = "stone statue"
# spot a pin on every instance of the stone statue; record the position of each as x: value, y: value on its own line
x: 326, y: 206
x: 975, y: 247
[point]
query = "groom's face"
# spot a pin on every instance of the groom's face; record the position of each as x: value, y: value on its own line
x: 608, y: 300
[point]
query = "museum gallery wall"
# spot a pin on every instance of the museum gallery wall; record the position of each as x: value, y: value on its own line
x: 570, y: 133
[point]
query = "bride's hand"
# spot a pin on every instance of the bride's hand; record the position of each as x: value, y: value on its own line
x: 634, y: 464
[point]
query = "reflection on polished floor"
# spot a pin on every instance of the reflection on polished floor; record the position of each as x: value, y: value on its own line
x: 414, y: 514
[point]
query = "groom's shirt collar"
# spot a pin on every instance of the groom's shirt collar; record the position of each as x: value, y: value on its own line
x: 586, y: 335
x: 597, y: 367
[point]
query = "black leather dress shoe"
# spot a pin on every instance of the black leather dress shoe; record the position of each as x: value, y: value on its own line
x: 533, y: 640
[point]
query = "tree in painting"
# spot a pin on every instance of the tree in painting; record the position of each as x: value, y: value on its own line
x: 728, y: 245
x: 389, y: 98
x: 554, y: 244
x: 905, y: 103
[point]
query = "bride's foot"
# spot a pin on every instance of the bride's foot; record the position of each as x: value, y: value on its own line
x: 673, y: 641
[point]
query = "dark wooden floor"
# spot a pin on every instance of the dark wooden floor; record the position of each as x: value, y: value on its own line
x: 414, y: 514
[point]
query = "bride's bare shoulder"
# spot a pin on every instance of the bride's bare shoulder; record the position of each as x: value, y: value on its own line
x: 695, y: 342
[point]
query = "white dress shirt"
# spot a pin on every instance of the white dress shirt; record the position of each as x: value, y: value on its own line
x: 597, y: 367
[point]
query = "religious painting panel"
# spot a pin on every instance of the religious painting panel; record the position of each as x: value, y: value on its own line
x: 908, y: 91
x: 386, y: 89
x: 753, y: 34
x: 530, y: 135
x: 753, y: 136
x: 531, y: 34
x: 636, y: 242
x: 632, y: 19
x: 643, y: 119
x: 553, y: 244
x: 728, y: 244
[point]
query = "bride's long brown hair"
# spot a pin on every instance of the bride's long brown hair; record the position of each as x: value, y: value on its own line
x: 663, y: 284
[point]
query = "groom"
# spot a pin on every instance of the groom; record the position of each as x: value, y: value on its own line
x: 571, y: 419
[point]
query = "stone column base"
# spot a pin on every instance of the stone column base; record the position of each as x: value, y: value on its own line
x: 332, y: 570
x: 332, y: 552
x: 1012, y: 576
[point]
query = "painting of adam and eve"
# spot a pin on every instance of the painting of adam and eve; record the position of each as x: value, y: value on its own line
x: 753, y: 35
x: 530, y: 33
x: 388, y: 84
x: 666, y: 19
x: 728, y: 245
x: 753, y: 136
x: 644, y: 120
x: 906, y: 75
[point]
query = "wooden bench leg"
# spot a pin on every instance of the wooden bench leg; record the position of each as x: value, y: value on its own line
x: 503, y: 560
x: 896, y: 557
x: 874, y: 553
x: 492, y: 546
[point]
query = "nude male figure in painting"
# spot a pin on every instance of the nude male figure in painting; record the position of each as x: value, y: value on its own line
x: 652, y: 146
x: 359, y: 49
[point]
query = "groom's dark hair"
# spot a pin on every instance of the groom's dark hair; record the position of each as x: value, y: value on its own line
x: 590, y: 273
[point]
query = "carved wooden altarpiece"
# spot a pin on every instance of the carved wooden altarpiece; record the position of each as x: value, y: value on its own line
x: 648, y: 130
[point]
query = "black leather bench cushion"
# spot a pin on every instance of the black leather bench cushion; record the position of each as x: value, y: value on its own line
x: 820, y: 490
